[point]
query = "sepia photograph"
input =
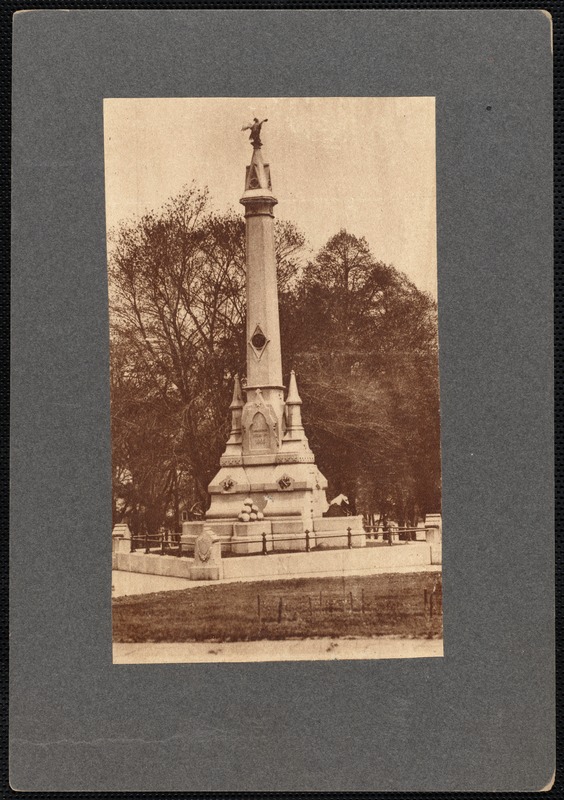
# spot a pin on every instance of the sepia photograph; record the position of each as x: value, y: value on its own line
x: 274, y: 374
x: 281, y: 311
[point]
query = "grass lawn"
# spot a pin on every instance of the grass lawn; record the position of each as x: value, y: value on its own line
x: 367, y: 605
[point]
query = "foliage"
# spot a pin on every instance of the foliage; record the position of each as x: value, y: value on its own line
x: 363, y: 340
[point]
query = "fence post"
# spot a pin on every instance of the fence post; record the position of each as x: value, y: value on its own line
x: 146, y: 543
x: 162, y: 544
x: 307, y: 540
x: 132, y: 543
x: 264, y: 550
x: 349, y: 538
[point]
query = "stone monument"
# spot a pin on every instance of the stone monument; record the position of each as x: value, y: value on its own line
x: 207, y: 565
x: 267, y: 457
x: 121, y: 538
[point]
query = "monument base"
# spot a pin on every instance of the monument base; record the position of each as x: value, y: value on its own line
x: 289, y: 534
x: 282, y: 534
x: 253, y: 531
x: 278, y: 490
x: 334, y: 532
x: 205, y: 573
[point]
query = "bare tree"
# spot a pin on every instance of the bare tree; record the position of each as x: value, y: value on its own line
x: 177, y: 308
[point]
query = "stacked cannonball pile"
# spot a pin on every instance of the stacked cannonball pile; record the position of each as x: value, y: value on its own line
x: 250, y: 512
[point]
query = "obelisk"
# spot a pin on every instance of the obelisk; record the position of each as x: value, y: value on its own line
x: 267, y: 458
x: 264, y: 356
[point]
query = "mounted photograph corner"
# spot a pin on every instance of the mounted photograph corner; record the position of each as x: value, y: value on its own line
x: 276, y: 470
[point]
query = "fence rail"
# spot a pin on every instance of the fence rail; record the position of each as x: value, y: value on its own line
x: 171, y: 544
x: 278, y: 607
x: 390, y: 531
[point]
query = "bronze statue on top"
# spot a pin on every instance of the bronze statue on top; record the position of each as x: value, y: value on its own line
x: 254, y: 128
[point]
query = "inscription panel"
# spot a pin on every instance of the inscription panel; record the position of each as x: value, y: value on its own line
x: 259, y: 428
x: 259, y: 433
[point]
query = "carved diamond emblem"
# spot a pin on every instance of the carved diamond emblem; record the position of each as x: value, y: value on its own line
x: 258, y: 342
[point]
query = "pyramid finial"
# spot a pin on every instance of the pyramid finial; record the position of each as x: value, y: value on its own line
x: 257, y: 175
x: 293, y: 403
x: 237, y: 400
x: 236, y: 409
x: 293, y: 397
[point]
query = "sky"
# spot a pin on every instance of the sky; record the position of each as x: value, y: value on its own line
x: 363, y: 164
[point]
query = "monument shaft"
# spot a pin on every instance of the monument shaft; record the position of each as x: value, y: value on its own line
x: 264, y: 367
x: 268, y: 483
x: 264, y: 356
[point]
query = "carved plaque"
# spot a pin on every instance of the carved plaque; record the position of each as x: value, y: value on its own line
x: 259, y: 433
x: 259, y: 426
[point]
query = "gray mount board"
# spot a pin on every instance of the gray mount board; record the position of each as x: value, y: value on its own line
x: 481, y: 718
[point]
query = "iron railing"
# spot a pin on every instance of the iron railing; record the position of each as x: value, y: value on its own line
x: 390, y: 532
x: 171, y: 544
